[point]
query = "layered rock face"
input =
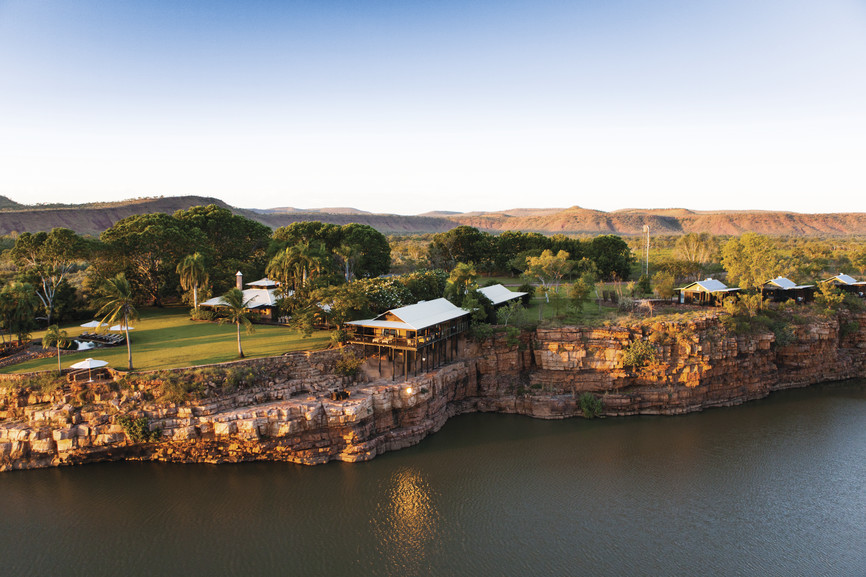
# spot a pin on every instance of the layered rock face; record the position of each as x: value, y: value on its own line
x: 288, y: 414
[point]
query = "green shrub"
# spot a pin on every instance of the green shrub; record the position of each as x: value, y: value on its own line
x: 349, y: 363
x: 639, y: 354
x: 138, y: 429
x: 590, y: 405
x: 849, y: 328
x: 512, y: 336
x: 201, y: 315
x: 45, y: 382
x: 239, y: 376
x: 480, y: 332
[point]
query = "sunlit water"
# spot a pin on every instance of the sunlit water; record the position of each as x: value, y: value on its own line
x: 775, y: 487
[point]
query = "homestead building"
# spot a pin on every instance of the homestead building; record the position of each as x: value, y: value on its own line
x: 423, y: 335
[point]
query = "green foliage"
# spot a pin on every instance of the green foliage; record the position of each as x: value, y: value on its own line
x: 480, y: 332
x: 355, y: 250
x: 18, y: 304
x: 40, y: 382
x: 511, y: 310
x: 236, y: 377
x: 639, y: 354
x: 829, y: 298
x: 462, y: 244
x: 751, y: 260
x: 643, y: 286
x: 118, y: 306
x: 147, y: 248
x: 202, y: 315
x: 590, y: 405
x: 54, y: 337
x: 698, y: 248
x: 854, y: 303
x: 512, y: 336
x: 339, y: 336
x: 47, y: 259
x: 138, y: 429
x: 349, y: 363
x: 612, y: 256
x: 228, y: 242
x: 578, y: 296
x: 663, y: 282
x: 849, y: 328
x: 460, y: 282
x: 193, y: 275
x: 480, y: 307
x: 237, y: 313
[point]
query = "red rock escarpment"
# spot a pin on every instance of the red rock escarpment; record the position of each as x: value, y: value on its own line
x: 288, y: 415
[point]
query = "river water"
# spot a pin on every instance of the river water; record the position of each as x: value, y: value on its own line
x: 774, y: 487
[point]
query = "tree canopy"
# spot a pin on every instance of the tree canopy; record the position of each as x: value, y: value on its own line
x: 47, y: 259
x: 751, y: 260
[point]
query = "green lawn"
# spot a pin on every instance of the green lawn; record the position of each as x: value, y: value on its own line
x: 166, y: 338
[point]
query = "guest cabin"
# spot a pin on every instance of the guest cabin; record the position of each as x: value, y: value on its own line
x: 782, y: 289
x: 422, y: 335
x: 261, y: 297
x: 500, y: 295
x: 847, y: 284
x: 705, y: 292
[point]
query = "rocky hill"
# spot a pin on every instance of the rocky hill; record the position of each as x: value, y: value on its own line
x: 95, y: 217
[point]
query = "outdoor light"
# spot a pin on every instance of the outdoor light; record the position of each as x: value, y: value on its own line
x: 408, y: 390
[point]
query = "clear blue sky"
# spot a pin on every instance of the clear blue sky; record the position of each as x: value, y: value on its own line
x: 410, y: 106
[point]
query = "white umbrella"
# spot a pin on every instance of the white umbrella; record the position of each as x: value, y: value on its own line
x: 93, y: 325
x: 120, y: 328
x: 89, y: 364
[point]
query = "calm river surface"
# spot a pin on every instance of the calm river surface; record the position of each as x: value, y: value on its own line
x: 775, y: 487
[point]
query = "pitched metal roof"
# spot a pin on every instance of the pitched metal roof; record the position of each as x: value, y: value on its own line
x: 710, y: 285
x: 263, y: 283
x: 257, y: 297
x: 499, y: 294
x: 786, y: 284
x: 416, y: 317
x: 845, y: 279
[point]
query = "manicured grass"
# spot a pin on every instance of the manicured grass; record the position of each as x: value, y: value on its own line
x: 166, y: 338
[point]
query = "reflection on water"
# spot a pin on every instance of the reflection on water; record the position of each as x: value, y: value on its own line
x: 775, y: 487
x: 406, y: 523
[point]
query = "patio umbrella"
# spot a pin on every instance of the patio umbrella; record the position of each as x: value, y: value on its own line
x: 120, y: 328
x: 93, y: 325
x: 89, y: 364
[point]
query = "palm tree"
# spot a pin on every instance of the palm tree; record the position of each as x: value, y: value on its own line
x: 348, y: 254
x: 299, y: 262
x: 192, y: 275
x: 54, y: 337
x: 237, y: 313
x: 280, y: 268
x: 118, y: 306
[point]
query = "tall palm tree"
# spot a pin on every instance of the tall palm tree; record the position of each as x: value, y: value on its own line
x: 192, y: 275
x: 118, y: 306
x: 348, y: 254
x: 299, y: 262
x: 237, y: 313
x: 280, y: 268
x: 54, y: 337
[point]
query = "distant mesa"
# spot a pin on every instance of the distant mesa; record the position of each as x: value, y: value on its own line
x: 93, y: 218
x: 8, y: 203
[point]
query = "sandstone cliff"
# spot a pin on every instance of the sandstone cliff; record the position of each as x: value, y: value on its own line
x: 287, y: 413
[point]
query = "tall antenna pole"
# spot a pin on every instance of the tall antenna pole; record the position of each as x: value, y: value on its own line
x: 646, y: 230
